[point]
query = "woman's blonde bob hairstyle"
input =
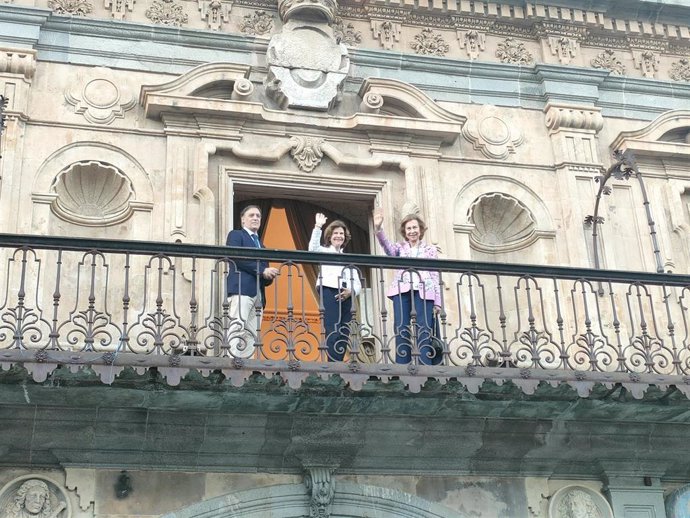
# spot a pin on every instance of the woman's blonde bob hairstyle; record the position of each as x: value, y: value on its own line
x: 413, y: 217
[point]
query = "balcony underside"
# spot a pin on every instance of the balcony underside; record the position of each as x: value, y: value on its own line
x: 207, y: 424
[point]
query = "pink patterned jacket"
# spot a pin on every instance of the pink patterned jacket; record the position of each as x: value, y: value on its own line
x: 426, y: 282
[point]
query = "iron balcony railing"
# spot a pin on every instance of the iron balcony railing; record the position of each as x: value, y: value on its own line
x: 110, y: 305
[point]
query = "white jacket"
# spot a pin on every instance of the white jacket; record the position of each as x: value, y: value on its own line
x: 334, y: 275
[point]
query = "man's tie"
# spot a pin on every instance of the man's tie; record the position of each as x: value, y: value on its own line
x: 255, y: 238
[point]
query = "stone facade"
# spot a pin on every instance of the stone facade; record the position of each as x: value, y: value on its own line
x: 149, y: 120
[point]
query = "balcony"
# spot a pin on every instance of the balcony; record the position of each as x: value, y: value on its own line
x: 112, y: 305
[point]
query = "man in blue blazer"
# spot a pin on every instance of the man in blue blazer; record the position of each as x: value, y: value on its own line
x: 246, y: 284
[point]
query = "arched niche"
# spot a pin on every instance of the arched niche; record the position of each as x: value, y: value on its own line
x: 119, y: 198
x: 292, y: 501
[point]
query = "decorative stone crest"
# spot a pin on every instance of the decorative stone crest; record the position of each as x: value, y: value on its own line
x: 307, y: 152
x: 73, y: 7
x: 33, y: 497
x: 608, y: 61
x: 321, y: 488
x: 98, y: 96
x: 491, y: 135
x: 578, y: 502
x: 513, y: 52
x: 680, y: 70
x: 346, y: 34
x: 167, y: 12
x: 118, y: 8
x: 215, y: 12
x: 563, y: 47
x: 429, y: 43
x: 647, y: 61
x: 259, y: 23
x: 387, y: 32
x: 473, y: 42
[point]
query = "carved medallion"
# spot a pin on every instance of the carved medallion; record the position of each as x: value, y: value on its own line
x: 608, y: 60
x: 259, y: 23
x: 429, y: 43
x: 473, y: 42
x: 307, y: 152
x: 513, y: 52
x: 215, y: 12
x: 73, y: 7
x: 33, y: 497
x: 491, y: 135
x: 680, y: 70
x: 678, y: 503
x: 578, y: 502
x: 98, y: 97
x: 167, y: 12
x: 346, y: 34
x: 387, y: 32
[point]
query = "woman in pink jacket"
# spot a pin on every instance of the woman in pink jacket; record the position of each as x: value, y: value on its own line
x: 412, y: 290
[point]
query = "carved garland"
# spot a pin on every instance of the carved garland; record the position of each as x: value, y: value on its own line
x: 429, y: 43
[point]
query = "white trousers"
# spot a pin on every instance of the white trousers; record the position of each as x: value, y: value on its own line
x: 243, y: 325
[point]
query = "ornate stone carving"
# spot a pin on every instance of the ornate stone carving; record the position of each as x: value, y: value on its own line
x: 73, y: 7
x: 608, y: 60
x: 647, y: 61
x: 563, y: 47
x: 491, y: 135
x: 346, y: 34
x: 473, y: 42
x: 98, y: 97
x: 321, y: 487
x: 33, y: 497
x: 387, y: 32
x: 215, y: 12
x: 118, y: 8
x: 92, y: 194
x: 578, y: 502
x: 167, y: 12
x: 560, y: 117
x: 429, y: 43
x: 18, y: 61
x: 325, y: 9
x: 680, y: 70
x: 513, y: 52
x: 306, y: 65
x: 259, y: 23
x: 307, y: 152
x: 501, y: 221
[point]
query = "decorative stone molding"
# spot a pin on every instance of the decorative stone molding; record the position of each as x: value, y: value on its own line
x: 514, y: 52
x: 564, y: 48
x: 320, y: 485
x: 118, y: 8
x: 473, y: 42
x: 608, y: 60
x: 18, y: 61
x: 307, y: 152
x: 325, y: 9
x: 429, y: 43
x: 573, y: 130
x: 167, y: 12
x: 215, y: 13
x: 564, y: 116
x: 258, y: 23
x: 501, y: 224
x: 346, y: 34
x: 579, y: 502
x: 387, y: 32
x: 98, y: 96
x: 491, y: 135
x: 371, y: 103
x: 71, y: 7
x: 680, y: 70
x: 34, y: 496
x: 92, y: 194
x: 647, y: 61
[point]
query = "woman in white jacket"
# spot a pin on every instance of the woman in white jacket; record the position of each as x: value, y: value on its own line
x: 336, y: 284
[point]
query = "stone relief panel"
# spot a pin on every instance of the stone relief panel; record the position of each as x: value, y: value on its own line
x: 429, y: 43
x: 386, y: 32
x: 609, y: 61
x: 215, y: 13
x: 514, y: 52
x: 34, y: 497
x: 647, y: 61
x: 564, y: 48
x: 680, y: 70
x: 99, y: 97
x: 579, y: 502
x: 258, y: 23
x: 71, y: 7
x: 167, y: 12
x: 473, y: 42
x: 119, y: 8
x: 490, y: 134
x: 346, y: 33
